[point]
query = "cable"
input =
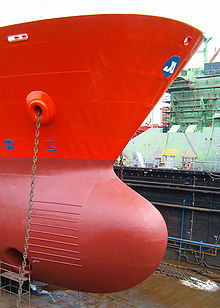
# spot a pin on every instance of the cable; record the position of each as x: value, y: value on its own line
x: 192, y: 147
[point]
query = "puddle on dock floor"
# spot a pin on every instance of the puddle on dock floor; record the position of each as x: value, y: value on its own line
x: 158, y: 291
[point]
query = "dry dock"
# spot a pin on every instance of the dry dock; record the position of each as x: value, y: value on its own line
x: 172, y: 285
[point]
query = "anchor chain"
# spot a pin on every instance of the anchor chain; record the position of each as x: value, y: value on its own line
x: 34, y: 167
x: 121, y: 166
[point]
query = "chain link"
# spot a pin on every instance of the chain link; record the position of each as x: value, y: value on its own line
x: 121, y: 167
x: 34, y: 167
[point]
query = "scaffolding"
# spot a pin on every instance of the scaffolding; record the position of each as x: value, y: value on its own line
x: 195, y: 97
x: 9, y: 280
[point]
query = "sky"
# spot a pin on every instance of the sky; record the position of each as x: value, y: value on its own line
x: 204, y: 15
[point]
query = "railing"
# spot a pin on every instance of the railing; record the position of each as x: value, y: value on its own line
x: 9, y: 279
x: 211, y: 166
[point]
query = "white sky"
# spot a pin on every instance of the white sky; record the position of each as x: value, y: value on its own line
x: 202, y: 14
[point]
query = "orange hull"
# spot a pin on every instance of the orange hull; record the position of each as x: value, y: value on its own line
x: 95, y: 79
x: 103, y: 73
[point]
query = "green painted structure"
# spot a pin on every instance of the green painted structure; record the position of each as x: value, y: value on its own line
x: 192, y: 140
x: 195, y: 97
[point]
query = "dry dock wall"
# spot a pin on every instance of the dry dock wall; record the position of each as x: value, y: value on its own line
x: 190, y: 204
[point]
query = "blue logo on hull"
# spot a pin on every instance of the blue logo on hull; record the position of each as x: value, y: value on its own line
x: 171, y: 65
x: 9, y: 145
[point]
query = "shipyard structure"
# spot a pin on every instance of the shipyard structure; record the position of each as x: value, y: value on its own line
x: 177, y: 166
x: 189, y: 138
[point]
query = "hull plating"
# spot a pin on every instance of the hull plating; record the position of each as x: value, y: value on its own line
x: 87, y: 226
x: 104, y: 74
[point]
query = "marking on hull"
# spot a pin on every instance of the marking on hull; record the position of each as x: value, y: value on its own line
x: 171, y: 65
x: 49, y: 246
x: 59, y: 249
x: 58, y: 203
x: 52, y: 241
x: 54, y: 211
x: 52, y: 226
x: 52, y: 148
x: 56, y: 219
x: 55, y: 234
x: 9, y: 144
x: 54, y: 255
x: 53, y: 261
